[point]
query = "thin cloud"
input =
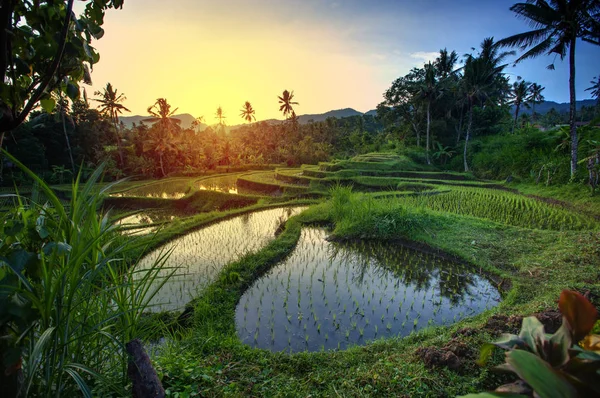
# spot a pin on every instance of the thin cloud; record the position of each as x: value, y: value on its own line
x: 424, y: 56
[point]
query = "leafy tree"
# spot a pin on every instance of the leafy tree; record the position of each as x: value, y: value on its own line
x: 110, y: 105
x: 247, y: 113
x: 401, y: 105
x: 476, y: 86
x: 535, y: 97
x: 429, y: 90
x: 518, y: 96
x: 286, y: 103
x: 595, y: 89
x: 221, y: 116
x: 42, y: 43
x: 163, y: 141
x: 445, y: 63
x: 557, y: 24
x: 482, y: 82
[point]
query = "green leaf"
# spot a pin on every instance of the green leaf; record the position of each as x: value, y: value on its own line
x: 85, y: 390
x: 486, y: 352
x: 59, y: 248
x: 557, y: 351
x: 48, y: 105
x: 72, y: 91
x: 546, y: 382
x: 532, y: 333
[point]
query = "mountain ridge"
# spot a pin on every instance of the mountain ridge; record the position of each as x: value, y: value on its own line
x: 187, y: 119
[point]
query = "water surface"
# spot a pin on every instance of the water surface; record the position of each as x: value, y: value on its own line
x: 199, y: 256
x: 330, y: 295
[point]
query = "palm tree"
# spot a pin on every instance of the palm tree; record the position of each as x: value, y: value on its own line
x: 595, y: 89
x: 557, y: 24
x: 445, y: 63
x: 429, y: 91
x: 535, y: 97
x: 518, y: 96
x: 482, y: 82
x: 286, y: 103
x: 110, y: 105
x: 162, y: 115
x: 197, y: 122
x: 478, y: 85
x: 248, y: 112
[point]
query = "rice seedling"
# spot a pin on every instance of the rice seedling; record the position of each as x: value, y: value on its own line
x: 373, y: 278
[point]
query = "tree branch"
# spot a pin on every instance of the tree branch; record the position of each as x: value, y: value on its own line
x: 51, y: 69
x: 6, y: 11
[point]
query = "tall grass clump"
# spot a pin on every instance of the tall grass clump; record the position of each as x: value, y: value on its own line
x: 68, y: 299
x: 361, y: 216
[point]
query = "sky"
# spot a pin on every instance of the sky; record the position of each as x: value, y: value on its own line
x: 334, y: 54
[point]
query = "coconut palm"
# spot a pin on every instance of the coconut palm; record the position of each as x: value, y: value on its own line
x: 162, y: 116
x: 445, y: 63
x: 518, y: 97
x: 535, y: 97
x: 595, y: 89
x: 429, y: 90
x: 286, y: 103
x: 557, y: 24
x: 478, y: 85
x: 248, y: 112
x: 110, y: 105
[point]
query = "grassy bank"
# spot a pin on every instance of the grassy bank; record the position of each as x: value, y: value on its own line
x: 536, y: 264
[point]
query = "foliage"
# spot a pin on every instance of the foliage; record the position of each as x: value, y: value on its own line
x: 69, y: 300
x: 504, y: 207
x: 46, y: 48
x: 565, y: 364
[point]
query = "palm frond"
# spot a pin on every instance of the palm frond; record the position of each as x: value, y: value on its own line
x: 537, y: 50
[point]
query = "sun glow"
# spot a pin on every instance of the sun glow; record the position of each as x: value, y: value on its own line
x: 199, y: 65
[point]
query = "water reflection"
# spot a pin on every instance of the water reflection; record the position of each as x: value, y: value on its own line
x: 200, y: 255
x: 331, y: 295
x: 226, y: 184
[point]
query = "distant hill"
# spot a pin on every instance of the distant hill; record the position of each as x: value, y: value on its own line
x: 186, y: 120
x: 563, y: 107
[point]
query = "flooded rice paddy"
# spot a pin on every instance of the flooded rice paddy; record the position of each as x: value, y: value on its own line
x: 225, y: 184
x: 176, y: 189
x: 200, y: 255
x: 331, y: 295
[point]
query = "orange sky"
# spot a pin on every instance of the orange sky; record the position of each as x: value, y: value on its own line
x: 201, y: 54
x: 200, y: 60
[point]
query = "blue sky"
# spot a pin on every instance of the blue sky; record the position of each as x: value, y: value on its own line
x: 334, y: 54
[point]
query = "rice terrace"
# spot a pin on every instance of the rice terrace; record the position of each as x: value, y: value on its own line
x: 442, y: 242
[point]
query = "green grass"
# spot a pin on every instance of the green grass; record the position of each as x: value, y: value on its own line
x: 536, y: 264
x: 267, y: 183
x: 506, y: 208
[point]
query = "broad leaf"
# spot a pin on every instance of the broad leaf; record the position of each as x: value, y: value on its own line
x: 579, y: 313
x: 532, y: 333
x: 48, y: 105
x: 556, y: 352
x: 546, y: 382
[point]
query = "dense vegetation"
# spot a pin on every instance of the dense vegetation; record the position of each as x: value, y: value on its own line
x: 452, y: 195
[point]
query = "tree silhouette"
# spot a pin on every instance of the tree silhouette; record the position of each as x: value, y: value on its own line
x: 557, y: 24
x: 518, y: 97
x: 110, y: 105
x: 429, y: 91
x: 247, y: 113
x: 482, y: 82
x: 163, y: 142
x: 535, y: 97
x: 286, y: 103
x: 595, y: 89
